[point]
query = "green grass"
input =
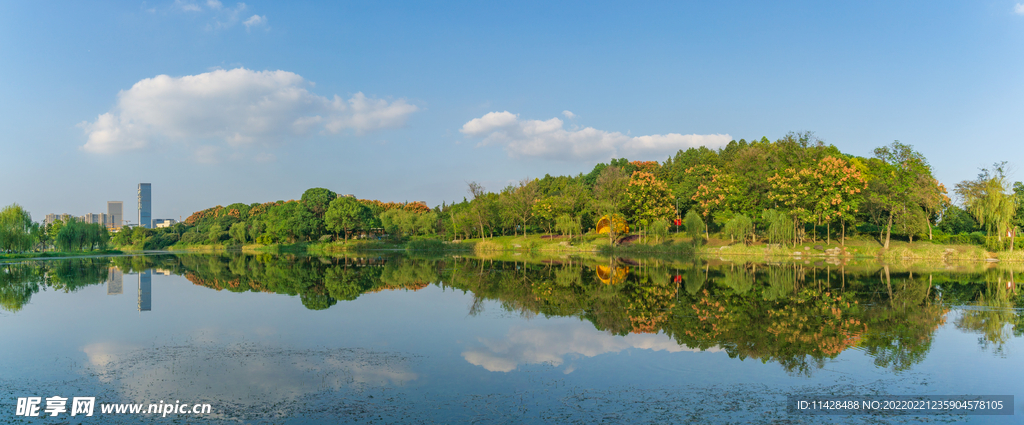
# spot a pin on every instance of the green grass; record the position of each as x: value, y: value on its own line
x: 673, y: 245
x: 857, y: 248
x: 52, y: 254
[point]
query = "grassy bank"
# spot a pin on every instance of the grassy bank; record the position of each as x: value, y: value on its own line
x: 54, y: 254
x: 674, y: 245
x: 898, y: 251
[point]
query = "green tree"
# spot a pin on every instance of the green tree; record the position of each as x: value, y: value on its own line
x: 956, y: 221
x: 609, y: 190
x: 989, y: 199
x: 318, y: 200
x: 237, y: 232
x: 78, y: 236
x: 779, y: 226
x: 517, y: 202
x: 568, y: 225
x: 214, y: 234
x: 54, y: 229
x: 398, y: 222
x: 894, y: 177
x: 648, y: 199
x: 122, y: 237
x: 694, y: 225
x: 346, y: 214
x: 482, y: 207
x: 426, y: 223
x: 739, y: 227
x: 659, y: 229
x: 15, y: 229
x: 290, y: 221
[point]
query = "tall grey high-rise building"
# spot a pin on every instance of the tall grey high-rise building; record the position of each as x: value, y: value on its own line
x: 145, y: 205
x: 145, y: 291
x: 115, y: 214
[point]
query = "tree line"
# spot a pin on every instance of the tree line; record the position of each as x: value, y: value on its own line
x: 19, y: 233
x: 787, y: 191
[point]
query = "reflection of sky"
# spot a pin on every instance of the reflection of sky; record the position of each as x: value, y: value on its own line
x: 249, y: 348
x: 239, y: 372
x: 551, y: 344
x: 199, y: 344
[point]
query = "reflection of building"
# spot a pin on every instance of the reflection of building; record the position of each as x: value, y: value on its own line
x: 163, y: 222
x: 145, y: 205
x: 115, y: 214
x: 162, y: 271
x: 145, y: 291
x: 115, y: 281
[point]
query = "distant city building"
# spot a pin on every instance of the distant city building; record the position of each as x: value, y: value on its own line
x: 145, y: 291
x: 115, y: 214
x: 50, y: 218
x: 115, y: 281
x: 145, y: 205
x: 163, y: 222
x: 94, y: 219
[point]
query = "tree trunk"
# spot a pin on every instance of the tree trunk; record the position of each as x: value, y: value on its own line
x: 888, y: 233
x: 828, y: 233
x: 843, y: 240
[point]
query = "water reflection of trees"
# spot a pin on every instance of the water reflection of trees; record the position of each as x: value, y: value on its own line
x: 797, y: 315
x: 768, y: 313
x: 992, y: 315
x: 19, y: 281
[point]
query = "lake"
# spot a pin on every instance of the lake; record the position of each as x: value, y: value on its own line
x: 397, y: 339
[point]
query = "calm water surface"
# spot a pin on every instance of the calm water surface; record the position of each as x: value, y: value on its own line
x: 285, y: 339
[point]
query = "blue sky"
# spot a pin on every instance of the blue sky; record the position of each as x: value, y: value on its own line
x: 220, y: 102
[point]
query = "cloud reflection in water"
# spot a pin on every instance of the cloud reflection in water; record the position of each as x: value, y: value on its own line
x: 240, y: 373
x: 552, y: 343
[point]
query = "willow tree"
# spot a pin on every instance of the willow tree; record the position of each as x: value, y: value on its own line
x: 15, y: 229
x: 989, y: 199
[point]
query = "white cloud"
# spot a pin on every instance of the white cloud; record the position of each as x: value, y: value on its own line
x: 551, y: 344
x: 214, y: 4
x: 1019, y: 8
x: 232, y: 108
x: 568, y: 114
x: 227, y: 18
x: 255, y: 20
x: 187, y: 7
x: 549, y: 140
